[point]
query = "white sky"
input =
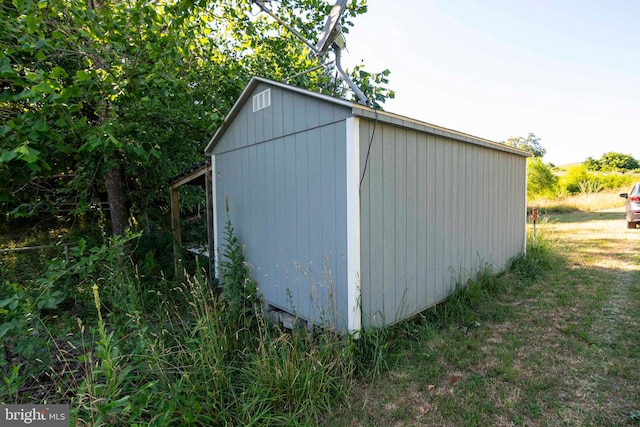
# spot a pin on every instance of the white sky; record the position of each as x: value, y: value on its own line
x: 567, y: 70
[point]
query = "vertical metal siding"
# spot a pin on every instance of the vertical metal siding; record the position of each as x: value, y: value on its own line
x: 422, y: 212
x: 289, y: 113
x: 434, y: 211
x: 340, y: 200
x: 412, y: 220
x: 315, y: 188
x: 389, y: 221
x: 278, y: 112
x: 399, y: 237
x: 371, y: 219
x: 432, y: 249
x: 284, y: 169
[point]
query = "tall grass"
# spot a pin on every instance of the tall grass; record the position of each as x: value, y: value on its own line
x: 170, y: 353
x: 586, y: 202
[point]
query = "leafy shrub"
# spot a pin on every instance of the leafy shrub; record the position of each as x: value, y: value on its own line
x: 238, y: 289
x: 580, y: 179
x: 541, y: 182
x: 612, y: 161
x: 616, y: 180
x: 575, y: 176
x: 590, y: 186
x: 153, y: 253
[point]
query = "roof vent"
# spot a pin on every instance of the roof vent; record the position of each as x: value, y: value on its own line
x: 262, y: 100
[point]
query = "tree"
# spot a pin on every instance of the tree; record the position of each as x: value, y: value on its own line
x: 530, y: 143
x: 119, y: 98
x: 76, y: 79
x: 612, y: 161
x: 541, y: 182
x: 592, y: 164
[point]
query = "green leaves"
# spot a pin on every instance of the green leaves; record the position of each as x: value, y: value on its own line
x: 7, y: 156
x: 137, y: 84
x: 6, y: 72
x: 82, y: 76
x: 612, y: 161
x: 27, y: 154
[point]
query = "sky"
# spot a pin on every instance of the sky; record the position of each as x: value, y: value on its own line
x: 566, y: 70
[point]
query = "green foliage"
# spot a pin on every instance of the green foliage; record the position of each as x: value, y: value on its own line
x: 139, y: 86
x: 152, y: 254
x: 461, y: 307
x: 27, y: 300
x: 106, y: 387
x: 373, y: 85
x: 590, y: 186
x: 615, y: 180
x: 530, y: 143
x: 170, y: 354
x: 591, y: 164
x: 575, y: 176
x: 579, y: 179
x: 541, y: 182
x: 538, y: 260
x: 373, y: 350
x: 238, y: 289
x: 612, y: 161
x: 297, y: 378
x: 21, y: 309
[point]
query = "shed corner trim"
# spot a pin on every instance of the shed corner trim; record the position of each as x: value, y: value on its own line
x: 354, y: 317
x: 216, y: 233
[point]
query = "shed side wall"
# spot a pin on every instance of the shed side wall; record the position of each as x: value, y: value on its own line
x: 287, y: 202
x: 434, y: 212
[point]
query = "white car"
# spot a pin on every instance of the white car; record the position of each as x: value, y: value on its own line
x: 632, y: 206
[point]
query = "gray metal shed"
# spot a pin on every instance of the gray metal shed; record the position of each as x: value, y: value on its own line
x: 353, y: 217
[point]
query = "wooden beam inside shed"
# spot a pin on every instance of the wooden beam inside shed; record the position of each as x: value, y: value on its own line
x: 210, y: 243
x: 200, y: 176
x: 175, y: 227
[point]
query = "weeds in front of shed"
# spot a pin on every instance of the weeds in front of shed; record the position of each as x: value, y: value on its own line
x: 460, y: 308
x: 297, y: 374
x: 132, y: 351
x: 538, y: 259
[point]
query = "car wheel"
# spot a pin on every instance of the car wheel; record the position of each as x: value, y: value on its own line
x: 631, y: 225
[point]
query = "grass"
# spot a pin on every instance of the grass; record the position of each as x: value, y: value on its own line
x: 584, y: 202
x: 551, y: 342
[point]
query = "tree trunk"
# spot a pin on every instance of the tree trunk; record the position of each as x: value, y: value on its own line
x: 114, y: 183
x: 114, y: 179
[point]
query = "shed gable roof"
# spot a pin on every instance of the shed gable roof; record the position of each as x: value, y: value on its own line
x: 248, y: 92
x: 357, y: 110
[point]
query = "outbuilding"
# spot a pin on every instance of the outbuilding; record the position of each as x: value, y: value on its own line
x: 352, y: 217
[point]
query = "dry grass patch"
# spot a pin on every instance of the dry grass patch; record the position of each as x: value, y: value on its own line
x: 585, y: 202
